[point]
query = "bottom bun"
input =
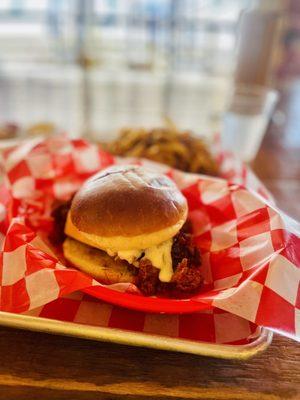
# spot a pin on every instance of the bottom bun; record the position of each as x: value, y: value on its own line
x: 97, y: 263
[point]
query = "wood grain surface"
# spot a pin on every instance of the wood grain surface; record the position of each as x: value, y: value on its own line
x: 41, y: 366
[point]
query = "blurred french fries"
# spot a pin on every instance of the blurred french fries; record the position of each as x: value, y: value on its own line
x: 180, y: 150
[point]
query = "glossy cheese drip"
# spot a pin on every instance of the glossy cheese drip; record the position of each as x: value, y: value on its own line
x: 159, y: 256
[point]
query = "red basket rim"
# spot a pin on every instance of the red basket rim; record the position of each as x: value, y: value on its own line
x: 147, y: 304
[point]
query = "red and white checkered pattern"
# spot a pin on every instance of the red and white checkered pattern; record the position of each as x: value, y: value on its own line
x: 250, y: 250
x: 213, y: 326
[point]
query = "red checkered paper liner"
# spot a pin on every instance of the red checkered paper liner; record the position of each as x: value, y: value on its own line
x: 213, y: 326
x: 250, y: 249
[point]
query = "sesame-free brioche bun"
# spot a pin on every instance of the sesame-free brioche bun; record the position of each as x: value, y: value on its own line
x: 126, y: 207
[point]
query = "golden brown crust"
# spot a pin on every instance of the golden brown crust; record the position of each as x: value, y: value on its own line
x: 127, y: 201
x: 97, y: 263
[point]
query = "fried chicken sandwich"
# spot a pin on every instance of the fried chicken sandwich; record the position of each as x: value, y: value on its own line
x: 128, y: 224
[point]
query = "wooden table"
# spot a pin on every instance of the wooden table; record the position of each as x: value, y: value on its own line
x: 41, y: 366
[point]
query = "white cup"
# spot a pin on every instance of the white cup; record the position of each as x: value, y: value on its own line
x: 245, y: 121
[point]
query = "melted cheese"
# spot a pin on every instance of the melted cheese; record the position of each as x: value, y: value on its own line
x: 129, y: 255
x: 159, y: 256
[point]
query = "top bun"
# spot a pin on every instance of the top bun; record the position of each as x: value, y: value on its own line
x: 127, y: 202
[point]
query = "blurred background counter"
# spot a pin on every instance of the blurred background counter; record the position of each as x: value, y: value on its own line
x: 91, y: 67
x: 96, y: 65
